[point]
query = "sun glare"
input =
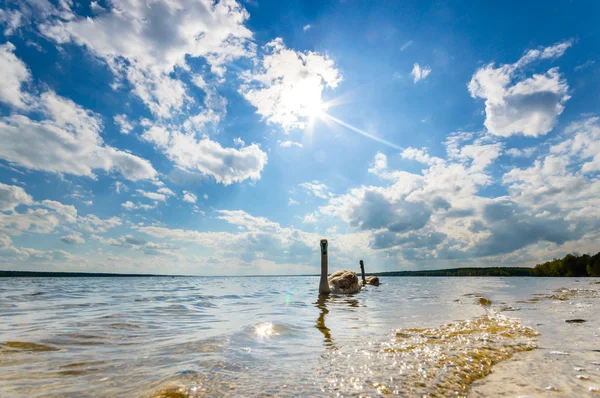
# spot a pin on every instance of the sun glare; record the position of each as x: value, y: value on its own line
x: 315, y: 109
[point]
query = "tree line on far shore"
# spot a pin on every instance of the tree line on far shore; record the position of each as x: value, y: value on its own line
x: 570, y: 265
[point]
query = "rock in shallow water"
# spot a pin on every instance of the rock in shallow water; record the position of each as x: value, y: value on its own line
x: 575, y: 320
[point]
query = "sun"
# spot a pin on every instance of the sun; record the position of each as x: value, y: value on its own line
x: 314, y: 109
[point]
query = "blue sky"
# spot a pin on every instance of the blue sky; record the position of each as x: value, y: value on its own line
x: 212, y: 138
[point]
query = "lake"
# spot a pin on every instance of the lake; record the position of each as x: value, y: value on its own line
x: 274, y: 336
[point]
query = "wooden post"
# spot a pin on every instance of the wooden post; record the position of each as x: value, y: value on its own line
x: 362, y: 271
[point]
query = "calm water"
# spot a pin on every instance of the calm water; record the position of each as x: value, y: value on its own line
x: 275, y: 337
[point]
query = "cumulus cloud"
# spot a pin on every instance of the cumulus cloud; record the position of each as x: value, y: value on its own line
x: 257, y: 239
x: 124, y: 125
x: 14, y: 75
x: 152, y: 195
x: 67, y: 140
x: 140, y: 244
x: 420, y: 72
x: 289, y: 144
x: 225, y: 165
x: 443, y: 214
x: 288, y: 84
x: 379, y: 163
x: 582, y: 143
x: 517, y: 105
x: 12, y: 196
x: 189, y: 197
x: 316, y: 189
x: 72, y: 239
x: 126, y: 38
x: 129, y: 205
x: 166, y: 191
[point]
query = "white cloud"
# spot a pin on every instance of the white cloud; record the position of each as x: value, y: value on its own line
x: 141, y: 244
x: 12, y: 20
x: 129, y: 205
x: 66, y: 141
x: 420, y: 155
x: 124, y: 125
x: 93, y: 224
x: 205, y: 196
x: 189, y: 197
x: 152, y: 195
x: 144, y: 41
x: 119, y: 186
x: 306, y: 27
x: 527, y: 106
x: 310, y: 218
x: 14, y: 75
x: 520, y: 152
x: 582, y: 144
x: 239, y: 142
x: 289, y: 144
x: 12, y: 196
x: 292, y: 202
x: 288, y: 85
x: 379, y: 163
x: 442, y: 216
x: 317, y: 189
x: 258, y: 239
x: 72, y: 239
x: 41, y: 221
x: 226, y: 165
x: 166, y: 191
x: 420, y: 72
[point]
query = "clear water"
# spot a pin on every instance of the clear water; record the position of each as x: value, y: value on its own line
x: 274, y: 336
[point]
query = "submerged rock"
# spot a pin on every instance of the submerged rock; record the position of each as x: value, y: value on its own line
x: 485, y: 302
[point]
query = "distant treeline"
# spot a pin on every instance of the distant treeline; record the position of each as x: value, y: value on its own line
x: 570, y: 265
x: 35, y: 274
x: 483, y: 271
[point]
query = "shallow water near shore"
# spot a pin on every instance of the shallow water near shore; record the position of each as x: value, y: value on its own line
x: 274, y: 336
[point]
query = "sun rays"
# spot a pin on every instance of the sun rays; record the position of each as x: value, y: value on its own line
x: 319, y: 111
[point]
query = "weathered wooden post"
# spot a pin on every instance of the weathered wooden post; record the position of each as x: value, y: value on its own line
x: 362, y: 271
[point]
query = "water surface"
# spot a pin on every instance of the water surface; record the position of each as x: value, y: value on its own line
x: 254, y: 336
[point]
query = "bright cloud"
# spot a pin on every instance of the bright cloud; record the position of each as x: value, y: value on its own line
x: 517, y: 105
x: 225, y: 165
x: 67, y: 140
x: 124, y: 125
x: 12, y: 196
x: 289, y: 144
x: 420, y: 72
x: 213, y: 31
x: 14, y: 75
x: 289, y: 84
x: 189, y: 197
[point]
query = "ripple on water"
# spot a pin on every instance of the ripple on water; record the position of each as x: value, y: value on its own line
x: 26, y: 346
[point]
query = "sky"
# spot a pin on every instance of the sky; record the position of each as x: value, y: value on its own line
x: 228, y: 137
